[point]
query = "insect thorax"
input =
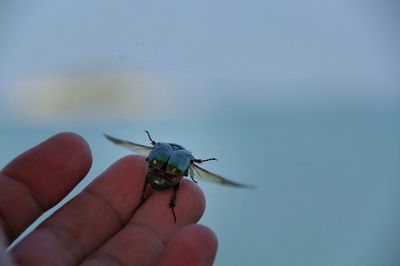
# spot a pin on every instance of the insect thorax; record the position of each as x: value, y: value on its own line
x: 160, y: 180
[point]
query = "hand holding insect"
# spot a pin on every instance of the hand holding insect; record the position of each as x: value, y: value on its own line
x: 97, y: 225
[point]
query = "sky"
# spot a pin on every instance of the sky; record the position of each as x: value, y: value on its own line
x: 220, y: 52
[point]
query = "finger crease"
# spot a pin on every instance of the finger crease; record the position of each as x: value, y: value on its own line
x: 145, y: 227
x: 92, y: 194
x: 106, y: 259
x: 69, y: 245
x: 29, y: 191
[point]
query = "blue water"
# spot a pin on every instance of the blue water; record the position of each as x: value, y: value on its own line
x: 328, y: 186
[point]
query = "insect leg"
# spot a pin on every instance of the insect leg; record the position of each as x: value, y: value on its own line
x: 191, y: 174
x: 143, y: 197
x: 206, y: 160
x: 172, y: 201
x: 151, y: 140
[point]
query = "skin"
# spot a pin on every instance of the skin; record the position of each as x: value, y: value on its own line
x: 96, y: 227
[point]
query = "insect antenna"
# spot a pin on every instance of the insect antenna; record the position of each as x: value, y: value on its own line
x: 151, y: 140
x: 206, y: 160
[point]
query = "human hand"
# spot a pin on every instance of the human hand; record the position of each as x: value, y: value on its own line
x: 96, y: 227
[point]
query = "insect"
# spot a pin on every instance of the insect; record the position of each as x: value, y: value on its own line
x: 167, y: 164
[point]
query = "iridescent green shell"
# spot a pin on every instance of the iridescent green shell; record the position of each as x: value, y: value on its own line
x: 159, y: 155
x: 179, y: 162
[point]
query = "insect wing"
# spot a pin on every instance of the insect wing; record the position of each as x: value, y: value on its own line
x: 137, y: 148
x: 197, y: 172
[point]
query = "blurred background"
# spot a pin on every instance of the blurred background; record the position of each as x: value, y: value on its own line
x: 300, y: 98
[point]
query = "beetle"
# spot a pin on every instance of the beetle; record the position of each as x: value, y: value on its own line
x: 167, y: 164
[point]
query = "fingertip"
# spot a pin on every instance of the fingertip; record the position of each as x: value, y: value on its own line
x: 52, y: 148
x: 201, y: 234
x: 131, y: 163
x: 199, y: 229
x: 191, y: 192
x: 75, y: 143
x: 193, y: 245
x: 53, y: 167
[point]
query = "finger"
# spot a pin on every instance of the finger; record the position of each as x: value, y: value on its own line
x: 39, y: 178
x: 142, y: 240
x: 194, y: 245
x: 156, y: 214
x: 88, y: 220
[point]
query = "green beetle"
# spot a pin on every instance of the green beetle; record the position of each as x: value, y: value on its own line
x: 167, y: 164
